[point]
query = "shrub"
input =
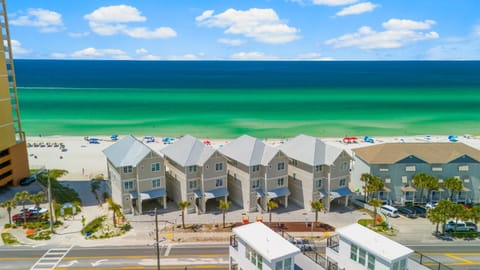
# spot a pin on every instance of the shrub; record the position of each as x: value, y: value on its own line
x: 40, y: 235
x: 465, y: 234
x: 9, y: 239
x: 126, y: 227
x: 94, y: 225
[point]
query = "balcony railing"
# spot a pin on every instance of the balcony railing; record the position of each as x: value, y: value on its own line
x: 333, y: 243
x: 234, y: 242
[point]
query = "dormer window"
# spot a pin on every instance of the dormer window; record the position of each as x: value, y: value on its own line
x: 127, y: 169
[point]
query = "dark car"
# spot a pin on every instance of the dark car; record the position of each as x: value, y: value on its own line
x: 407, y: 211
x: 27, y: 181
x: 421, y: 211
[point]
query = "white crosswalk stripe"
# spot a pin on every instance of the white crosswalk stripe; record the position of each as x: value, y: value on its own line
x: 51, y: 259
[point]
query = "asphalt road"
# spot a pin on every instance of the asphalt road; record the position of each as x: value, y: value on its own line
x: 185, y: 257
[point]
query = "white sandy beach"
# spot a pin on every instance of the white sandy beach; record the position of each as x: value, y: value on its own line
x: 84, y: 161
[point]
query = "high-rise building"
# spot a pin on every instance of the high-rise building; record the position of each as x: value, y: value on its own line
x: 13, y: 150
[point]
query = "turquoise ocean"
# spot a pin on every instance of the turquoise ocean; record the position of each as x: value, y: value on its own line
x: 266, y: 99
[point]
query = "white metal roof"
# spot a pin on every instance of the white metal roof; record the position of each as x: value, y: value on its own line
x: 266, y: 242
x: 373, y: 242
x: 311, y: 150
x: 249, y: 151
x: 188, y: 151
x: 127, y: 152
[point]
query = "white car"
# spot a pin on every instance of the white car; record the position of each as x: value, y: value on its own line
x: 38, y: 210
x: 431, y: 205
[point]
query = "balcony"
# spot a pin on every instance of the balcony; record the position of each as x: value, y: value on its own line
x: 234, y: 242
x: 333, y: 243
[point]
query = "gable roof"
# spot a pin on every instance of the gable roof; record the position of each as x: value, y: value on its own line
x: 431, y: 152
x: 311, y: 150
x: 265, y: 241
x: 188, y: 151
x: 127, y: 152
x: 249, y: 151
x: 373, y: 242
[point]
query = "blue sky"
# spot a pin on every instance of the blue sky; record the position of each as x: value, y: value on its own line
x: 245, y: 29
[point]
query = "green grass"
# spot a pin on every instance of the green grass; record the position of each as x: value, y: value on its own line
x: 9, y: 239
x: 94, y: 225
x: 60, y: 193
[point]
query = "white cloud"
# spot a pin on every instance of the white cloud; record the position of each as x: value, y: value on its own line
x: 357, y: 9
x: 150, y: 57
x: 189, y: 56
x: 116, y: 14
x: 398, y: 24
x: 231, y: 42
x: 112, y: 20
x: 16, y: 47
x: 398, y: 33
x: 141, y: 51
x: 263, y: 25
x: 58, y: 55
x: 334, y: 2
x: 43, y: 19
x: 313, y: 56
x: 458, y: 48
x: 78, y: 35
x: 92, y: 53
x: 252, y: 56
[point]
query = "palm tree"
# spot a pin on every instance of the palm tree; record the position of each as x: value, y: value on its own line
x: 9, y: 205
x: 445, y: 211
x: 224, y: 205
x: 375, y: 203
x: 271, y: 204
x: 375, y: 184
x: 435, y: 216
x: 453, y: 184
x: 365, y: 178
x: 317, y: 206
x: 37, y: 198
x: 22, y: 197
x: 422, y: 181
x: 474, y: 214
x: 115, y: 209
x: 184, y: 205
x: 432, y: 185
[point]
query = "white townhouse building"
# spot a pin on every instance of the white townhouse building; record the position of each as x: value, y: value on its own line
x: 196, y: 173
x: 257, y: 173
x: 136, y: 174
x: 317, y: 171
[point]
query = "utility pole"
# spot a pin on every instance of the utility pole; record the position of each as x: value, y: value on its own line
x: 157, y: 244
x: 50, y: 201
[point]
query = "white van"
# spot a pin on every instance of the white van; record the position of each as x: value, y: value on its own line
x: 389, y: 210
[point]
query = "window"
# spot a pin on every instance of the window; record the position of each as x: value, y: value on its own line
x: 259, y: 262
x: 318, y: 168
x: 279, y: 265
x: 155, y: 167
x: 342, y: 183
x: 156, y: 183
x: 128, y: 185
x: 192, y: 184
x: 437, y: 168
x: 281, y: 166
x: 403, y: 264
x: 410, y: 168
x: 294, y: 176
x: 371, y: 262
x: 463, y: 168
x: 395, y: 266
x: 343, y: 166
x: 218, y: 166
x: 256, y: 168
x: 127, y: 169
x: 294, y: 162
x: 219, y: 182
x: 256, y: 183
x: 254, y: 257
x: 353, y: 252
x: 192, y: 169
x: 280, y: 182
x: 318, y: 183
x: 404, y: 179
x: 383, y: 169
x: 388, y: 180
x: 287, y: 265
x: 361, y: 256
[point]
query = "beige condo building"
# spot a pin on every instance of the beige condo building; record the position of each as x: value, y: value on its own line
x: 13, y: 150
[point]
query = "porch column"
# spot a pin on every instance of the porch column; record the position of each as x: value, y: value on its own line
x: 139, y: 202
x: 164, y: 202
x: 346, y: 201
x: 327, y: 197
x: 286, y: 201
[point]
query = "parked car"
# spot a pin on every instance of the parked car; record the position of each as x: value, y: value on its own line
x: 421, y: 211
x: 389, y: 211
x: 34, y: 210
x: 431, y: 205
x: 27, y: 181
x: 459, y: 226
x: 302, y: 244
x: 407, y: 211
x: 29, y: 216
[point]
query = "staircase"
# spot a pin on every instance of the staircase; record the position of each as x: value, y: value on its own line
x: 7, y: 45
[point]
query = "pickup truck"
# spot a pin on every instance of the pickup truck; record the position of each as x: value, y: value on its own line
x: 460, y: 226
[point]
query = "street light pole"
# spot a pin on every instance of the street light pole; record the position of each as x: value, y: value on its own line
x: 157, y: 244
x: 50, y: 200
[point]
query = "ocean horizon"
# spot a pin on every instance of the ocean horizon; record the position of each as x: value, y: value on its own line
x: 266, y: 99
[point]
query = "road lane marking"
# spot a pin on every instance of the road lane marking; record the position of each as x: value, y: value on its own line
x: 51, y: 258
x: 167, y: 252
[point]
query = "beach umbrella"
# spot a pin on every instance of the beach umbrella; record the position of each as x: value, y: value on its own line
x: 207, y: 142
